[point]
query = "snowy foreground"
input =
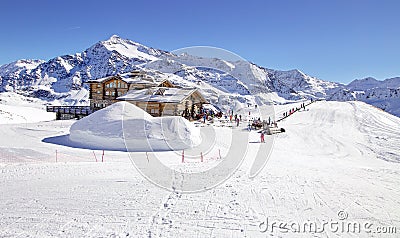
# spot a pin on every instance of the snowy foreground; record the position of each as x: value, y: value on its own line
x: 337, y: 163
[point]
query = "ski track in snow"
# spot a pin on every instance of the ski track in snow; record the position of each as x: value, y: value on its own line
x: 335, y: 156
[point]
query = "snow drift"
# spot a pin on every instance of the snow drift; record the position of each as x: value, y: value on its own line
x: 124, y: 126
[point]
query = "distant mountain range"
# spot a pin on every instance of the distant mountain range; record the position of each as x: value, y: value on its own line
x: 62, y: 78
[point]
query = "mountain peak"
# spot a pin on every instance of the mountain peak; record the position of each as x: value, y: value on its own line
x: 363, y: 84
x: 127, y: 48
x: 115, y: 39
x: 368, y: 79
x: 297, y: 71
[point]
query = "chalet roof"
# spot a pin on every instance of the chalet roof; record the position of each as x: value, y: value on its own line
x: 134, y: 77
x: 100, y: 80
x: 160, y: 94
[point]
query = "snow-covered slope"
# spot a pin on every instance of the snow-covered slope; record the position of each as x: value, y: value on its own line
x: 61, y: 80
x: 335, y: 157
x: 246, y: 77
x: 15, y: 108
x: 23, y: 114
x: 306, y: 85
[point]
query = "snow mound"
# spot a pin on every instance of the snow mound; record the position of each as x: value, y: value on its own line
x: 124, y: 126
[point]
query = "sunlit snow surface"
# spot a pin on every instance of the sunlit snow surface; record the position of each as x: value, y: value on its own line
x: 335, y: 156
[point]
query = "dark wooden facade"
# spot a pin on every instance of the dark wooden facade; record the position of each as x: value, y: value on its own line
x: 190, y: 107
x: 105, y: 93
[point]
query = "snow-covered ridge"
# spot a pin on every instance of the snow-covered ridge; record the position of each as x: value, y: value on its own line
x: 371, y: 83
x: 60, y: 79
x: 382, y: 94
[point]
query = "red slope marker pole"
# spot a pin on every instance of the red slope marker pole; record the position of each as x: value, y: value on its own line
x: 183, y: 156
x: 201, y: 156
x: 102, y: 157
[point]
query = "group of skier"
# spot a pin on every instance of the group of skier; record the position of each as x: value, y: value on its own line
x: 258, y: 123
x: 209, y: 115
x: 293, y: 110
x: 238, y: 118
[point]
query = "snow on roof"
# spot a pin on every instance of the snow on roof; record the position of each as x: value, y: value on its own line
x: 135, y: 77
x: 100, y: 80
x: 211, y: 107
x: 158, y: 94
x: 138, y: 77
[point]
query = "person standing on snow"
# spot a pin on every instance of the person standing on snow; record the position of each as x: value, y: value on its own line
x: 262, y: 137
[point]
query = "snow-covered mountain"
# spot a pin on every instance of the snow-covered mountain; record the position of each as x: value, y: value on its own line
x: 61, y: 79
x: 65, y: 73
x: 12, y: 73
x: 382, y: 94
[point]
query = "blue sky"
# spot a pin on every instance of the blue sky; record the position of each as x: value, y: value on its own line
x: 333, y: 40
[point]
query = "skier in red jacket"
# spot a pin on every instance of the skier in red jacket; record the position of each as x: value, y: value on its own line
x: 262, y: 137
